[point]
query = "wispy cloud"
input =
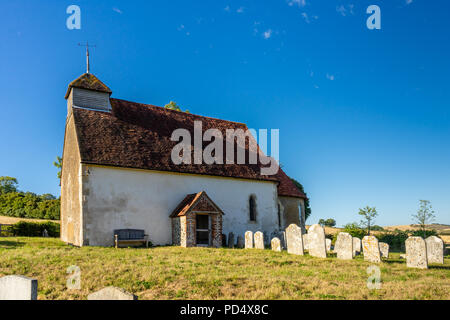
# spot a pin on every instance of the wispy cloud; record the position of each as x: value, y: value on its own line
x: 408, y: 2
x: 117, y: 10
x: 227, y: 8
x: 240, y: 10
x: 298, y: 3
x: 330, y: 77
x: 267, y: 34
x: 345, y: 10
x: 305, y: 17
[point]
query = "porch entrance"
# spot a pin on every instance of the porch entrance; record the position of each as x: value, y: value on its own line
x: 203, y: 230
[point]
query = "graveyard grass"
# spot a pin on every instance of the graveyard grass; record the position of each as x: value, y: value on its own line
x: 207, y: 273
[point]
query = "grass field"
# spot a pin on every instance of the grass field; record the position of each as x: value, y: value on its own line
x: 207, y: 273
x: 13, y: 220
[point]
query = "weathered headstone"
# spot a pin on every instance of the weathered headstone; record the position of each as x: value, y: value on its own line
x: 45, y: 233
x: 416, y: 253
x: 384, y: 249
x: 240, y: 242
x: 328, y: 244
x: 294, y: 239
x: 435, y: 249
x: 356, y: 246
x: 344, y: 246
x: 371, y: 249
x: 305, y: 241
x: 231, y: 240
x: 259, y: 240
x: 248, y: 240
x: 18, y: 288
x: 224, y: 240
x: 316, y: 241
x: 111, y: 293
x: 276, y: 244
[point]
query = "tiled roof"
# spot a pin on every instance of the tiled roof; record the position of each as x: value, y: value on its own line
x: 191, y: 201
x: 88, y: 81
x: 136, y: 135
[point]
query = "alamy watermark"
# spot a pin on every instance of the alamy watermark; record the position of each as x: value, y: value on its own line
x: 374, y: 279
x: 74, y: 278
x: 74, y: 20
x: 245, y: 143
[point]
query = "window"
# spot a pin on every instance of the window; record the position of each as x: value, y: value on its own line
x: 279, y: 216
x: 252, y: 207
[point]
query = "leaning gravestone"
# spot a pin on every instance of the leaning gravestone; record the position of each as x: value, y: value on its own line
x: 276, y: 244
x: 328, y: 244
x: 344, y: 246
x: 294, y: 239
x: 356, y: 246
x: 18, y: 288
x: 305, y: 241
x: 316, y: 241
x: 248, y: 240
x: 416, y: 253
x: 384, y: 249
x: 231, y: 240
x: 111, y: 293
x: 435, y: 249
x: 240, y: 242
x: 371, y: 249
x: 259, y: 240
x: 224, y: 240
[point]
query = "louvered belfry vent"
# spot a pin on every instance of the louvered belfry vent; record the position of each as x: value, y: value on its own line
x: 87, y: 91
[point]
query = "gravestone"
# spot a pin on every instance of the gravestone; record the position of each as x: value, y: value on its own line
x: 356, y: 246
x: 371, y: 249
x: 316, y: 241
x: 259, y: 240
x: 294, y: 239
x: 276, y: 244
x: 18, y: 288
x: 416, y: 253
x: 240, y: 242
x: 111, y: 293
x: 248, y: 240
x: 231, y: 240
x: 384, y: 249
x: 305, y: 241
x: 344, y: 246
x: 328, y: 244
x: 224, y: 240
x: 435, y: 249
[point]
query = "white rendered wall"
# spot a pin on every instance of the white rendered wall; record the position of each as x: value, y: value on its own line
x: 126, y: 198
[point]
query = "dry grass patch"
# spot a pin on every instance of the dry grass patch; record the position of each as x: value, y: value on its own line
x: 207, y: 273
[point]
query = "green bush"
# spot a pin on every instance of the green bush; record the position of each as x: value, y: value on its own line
x: 395, y: 239
x: 420, y: 233
x: 355, y: 230
x: 34, y: 229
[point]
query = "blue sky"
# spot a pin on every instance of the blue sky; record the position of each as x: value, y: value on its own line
x: 363, y: 114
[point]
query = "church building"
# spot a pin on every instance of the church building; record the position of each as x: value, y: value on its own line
x: 117, y: 173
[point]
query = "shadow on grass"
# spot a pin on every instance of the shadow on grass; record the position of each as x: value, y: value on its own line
x: 439, y: 267
x: 6, y: 244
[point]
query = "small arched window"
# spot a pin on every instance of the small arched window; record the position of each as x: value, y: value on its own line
x: 252, y: 207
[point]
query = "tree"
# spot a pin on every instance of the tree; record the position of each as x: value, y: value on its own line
x: 328, y: 222
x: 307, y: 207
x: 172, y: 105
x: 8, y: 184
x: 425, y: 215
x: 58, y: 164
x: 368, y: 215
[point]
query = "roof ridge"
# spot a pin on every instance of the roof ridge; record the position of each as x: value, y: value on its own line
x: 185, y: 113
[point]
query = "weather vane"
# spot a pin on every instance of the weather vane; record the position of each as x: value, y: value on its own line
x: 87, y: 54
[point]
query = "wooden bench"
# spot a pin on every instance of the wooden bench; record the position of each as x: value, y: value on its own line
x: 130, y: 237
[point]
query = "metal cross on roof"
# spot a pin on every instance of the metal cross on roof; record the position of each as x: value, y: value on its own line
x: 87, y: 54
